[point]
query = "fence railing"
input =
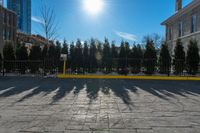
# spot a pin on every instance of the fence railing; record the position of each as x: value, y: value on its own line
x: 110, y: 66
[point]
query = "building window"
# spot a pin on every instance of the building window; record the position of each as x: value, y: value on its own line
x: 169, y: 33
x: 180, y: 28
x: 4, y: 34
x: 193, y: 23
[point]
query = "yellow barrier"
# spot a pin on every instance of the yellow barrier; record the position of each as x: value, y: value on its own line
x: 68, y: 76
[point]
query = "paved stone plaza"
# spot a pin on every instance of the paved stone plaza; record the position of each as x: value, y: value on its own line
x: 37, y: 105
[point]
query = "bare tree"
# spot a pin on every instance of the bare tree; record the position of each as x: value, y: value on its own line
x: 156, y: 38
x: 49, y: 24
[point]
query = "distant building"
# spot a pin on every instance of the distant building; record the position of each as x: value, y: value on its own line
x: 31, y: 39
x: 23, y: 11
x: 183, y: 25
x: 8, y: 28
x: 1, y: 2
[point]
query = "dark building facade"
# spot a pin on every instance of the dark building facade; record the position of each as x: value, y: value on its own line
x: 8, y: 26
x: 23, y: 10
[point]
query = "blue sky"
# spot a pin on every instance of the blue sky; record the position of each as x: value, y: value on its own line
x: 120, y: 19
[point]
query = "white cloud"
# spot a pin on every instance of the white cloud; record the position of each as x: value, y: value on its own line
x: 126, y: 36
x: 37, y: 19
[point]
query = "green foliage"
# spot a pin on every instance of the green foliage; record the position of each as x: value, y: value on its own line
x: 8, y: 51
x: 114, y: 56
x: 57, y: 50
x: 123, y: 58
x: 22, y: 55
x: 192, y: 59
x: 93, y: 57
x: 85, y: 57
x: 164, y: 60
x: 35, y: 53
x: 0, y: 62
x: 65, y: 48
x: 136, y: 58
x: 9, y: 56
x: 35, y: 57
x: 150, y: 58
x: 71, y: 58
x: 44, y: 52
x: 106, y: 60
x: 51, y: 52
x: 179, y: 58
x: 78, y: 58
x: 99, y: 55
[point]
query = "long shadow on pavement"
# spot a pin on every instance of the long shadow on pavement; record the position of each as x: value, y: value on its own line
x: 120, y: 88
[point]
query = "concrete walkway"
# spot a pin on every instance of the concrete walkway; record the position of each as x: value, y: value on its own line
x: 36, y: 105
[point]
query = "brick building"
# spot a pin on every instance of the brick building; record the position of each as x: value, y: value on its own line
x: 8, y: 26
x: 183, y: 25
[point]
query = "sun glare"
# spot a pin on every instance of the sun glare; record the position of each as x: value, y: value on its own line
x: 93, y: 7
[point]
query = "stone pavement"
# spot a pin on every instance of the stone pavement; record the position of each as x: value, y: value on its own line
x: 36, y: 105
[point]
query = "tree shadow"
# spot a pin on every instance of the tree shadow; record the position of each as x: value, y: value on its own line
x: 169, y: 89
x: 120, y: 88
x: 92, y: 88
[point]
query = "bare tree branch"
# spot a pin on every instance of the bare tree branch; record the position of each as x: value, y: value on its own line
x: 49, y: 25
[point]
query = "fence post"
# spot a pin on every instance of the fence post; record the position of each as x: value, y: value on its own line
x: 3, y: 67
x: 44, y: 74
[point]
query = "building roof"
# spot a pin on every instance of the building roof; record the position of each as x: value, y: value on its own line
x: 186, y: 9
x: 6, y: 9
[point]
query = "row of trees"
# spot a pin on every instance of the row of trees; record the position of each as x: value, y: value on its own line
x: 92, y: 56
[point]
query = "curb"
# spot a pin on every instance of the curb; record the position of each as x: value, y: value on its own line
x: 62, y: 76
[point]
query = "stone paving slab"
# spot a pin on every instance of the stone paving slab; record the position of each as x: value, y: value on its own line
x: 38, y: 105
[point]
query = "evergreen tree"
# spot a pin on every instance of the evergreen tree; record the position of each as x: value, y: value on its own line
x: 85, y: 57
x: 99, y: 55
x: 114, y: 56
x: 127, y: 53
x: 72, y: 57
x: 192, y: 59
x: 52, y: 52
x: 57, y: 62
x: 22, y: 55
x: 44, y: 52
x: 179, y: 58
x: 65, y: 48
x: 92, y: 56
x: 78, y: 56
x: 122, y: 61
x: 57, y: 51
x: 8, y: 54
x: 150, y: 57
x: 8, y: 51
x: 0, y: 62
x: 35, y: 56
x: 136, y: 59
x: 35, y: 53
x: 164, y: 60
x: 106, y: 57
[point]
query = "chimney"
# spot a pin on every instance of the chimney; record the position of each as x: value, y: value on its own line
x: 178, y: 5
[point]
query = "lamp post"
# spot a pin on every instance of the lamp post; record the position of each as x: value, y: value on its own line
x: 64, y: 57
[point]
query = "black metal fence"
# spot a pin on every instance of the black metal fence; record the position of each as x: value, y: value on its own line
x: 117, y: 66
x: 36, y: 67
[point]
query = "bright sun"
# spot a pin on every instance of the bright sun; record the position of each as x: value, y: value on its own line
x: 93, y: 7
